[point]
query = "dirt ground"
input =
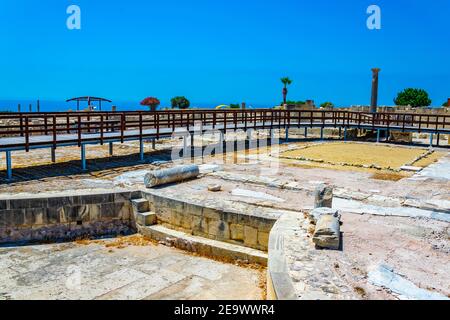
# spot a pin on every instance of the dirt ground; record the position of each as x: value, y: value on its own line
x: 419, y: 250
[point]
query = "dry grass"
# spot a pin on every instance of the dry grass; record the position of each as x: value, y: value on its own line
x: 360, y: 291
x: 358, y: 154
x: 119, y: 242
x: 388, y: 176
x: 426, y: 161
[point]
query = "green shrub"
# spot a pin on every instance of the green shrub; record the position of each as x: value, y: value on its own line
x: 180, y: 102
x: 413, y: 97
x: 327, y: 105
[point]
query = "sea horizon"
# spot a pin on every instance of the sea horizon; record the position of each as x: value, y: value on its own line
x: 8, y: 105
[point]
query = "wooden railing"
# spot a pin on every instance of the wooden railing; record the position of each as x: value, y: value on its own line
x: 79, y: 123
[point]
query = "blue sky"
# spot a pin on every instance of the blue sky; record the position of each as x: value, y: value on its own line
x: 223, y: 51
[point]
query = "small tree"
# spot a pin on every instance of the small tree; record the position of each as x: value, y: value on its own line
x: 446, y: 104
x: 180, y: 102
x: 326, y: 105
x: 292, y: 102
x: 151, y: 102
x: 413, y: 97
x: 286, y: 82
x: 235, y: 106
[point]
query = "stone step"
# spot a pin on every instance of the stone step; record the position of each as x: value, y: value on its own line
x: 146, y: 218
x: 205, y: 247
x: 140, y: 205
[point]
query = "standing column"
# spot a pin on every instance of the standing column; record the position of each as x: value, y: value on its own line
x: 53, y: 154
x: 378, y: 135
x: 306, y: 132
x: 154, y: 144
x: 374, y: 99
x: 111, y: 149
x: 431, y: 139
x: 287, y: 135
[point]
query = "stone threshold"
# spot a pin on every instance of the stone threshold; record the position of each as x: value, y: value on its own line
x: 203, y: 246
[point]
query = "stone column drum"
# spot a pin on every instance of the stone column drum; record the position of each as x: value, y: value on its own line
x: 323, y: 196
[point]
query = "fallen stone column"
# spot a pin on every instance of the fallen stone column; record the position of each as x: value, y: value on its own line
x: 323, y: 196
x: 327, y: 233
x: 175, y: 174
x: 315, y: 214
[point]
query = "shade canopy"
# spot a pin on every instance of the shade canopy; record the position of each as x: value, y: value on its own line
x: 89, y: 100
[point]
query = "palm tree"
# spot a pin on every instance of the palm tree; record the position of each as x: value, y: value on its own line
x: 286, y: 81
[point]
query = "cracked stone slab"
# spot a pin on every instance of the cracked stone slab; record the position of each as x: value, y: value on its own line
x: 384, y: 276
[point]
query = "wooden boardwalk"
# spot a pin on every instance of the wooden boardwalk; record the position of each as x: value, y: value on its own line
x: 28, y: 131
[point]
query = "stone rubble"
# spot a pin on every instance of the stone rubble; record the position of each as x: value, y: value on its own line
x: 214, y: 187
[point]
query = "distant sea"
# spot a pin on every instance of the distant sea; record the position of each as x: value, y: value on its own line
x: 62, y: 106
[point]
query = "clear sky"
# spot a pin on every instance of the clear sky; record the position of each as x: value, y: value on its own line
x: 223, y: 51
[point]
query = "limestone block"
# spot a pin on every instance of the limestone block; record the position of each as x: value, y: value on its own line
x: 265, y: 225
x: 4, y: 204
x: 327, y: 233
x: 94, y: 212
x: 199, y: 225
x: 186, y: 221
x: 323, y: 196
x: 191, y: 209
x: 146, y: 218
x: 250, y: 236
x: 398, y: 136
x: 211, y: 213
x: 219, y: 229
x: 39, y: 216
x: 28, y: 203
x: 237, y: 232
x: 175, y: 219
x: 140, y: 205
x: 263, y: 239
x: 109, y: 210
x: 316, y: 213
x: 124, y: 214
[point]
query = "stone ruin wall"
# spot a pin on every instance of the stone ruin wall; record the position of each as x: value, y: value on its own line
x: 44, y: 219
x: 242, y: 229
